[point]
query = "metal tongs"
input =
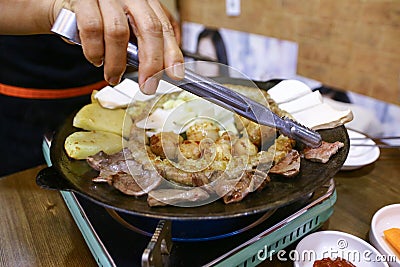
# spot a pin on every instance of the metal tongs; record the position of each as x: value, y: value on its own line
x: 65, y: 26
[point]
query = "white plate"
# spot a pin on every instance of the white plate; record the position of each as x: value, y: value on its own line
x: 385, y: 218
x: 360, y: 156
x: 334, y: 244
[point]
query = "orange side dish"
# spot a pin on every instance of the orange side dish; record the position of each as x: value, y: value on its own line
x: 392, y: 236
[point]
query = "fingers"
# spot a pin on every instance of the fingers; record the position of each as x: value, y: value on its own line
x: 116, y: 37
x: 174, y: 23
x: 173, y: 58
x: 148, y: 31
x: 104, y: 33
x: 90, y: 26
x: 158, y: 48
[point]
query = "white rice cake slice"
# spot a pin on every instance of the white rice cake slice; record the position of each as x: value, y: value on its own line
x: 302, y: 103
x: 288, y: 90
x: 109, y: 98
x: 155, y: 120
x: 131, y: 89
x: 121, y: 95
x: 323, y: 116
x: 167, y: 88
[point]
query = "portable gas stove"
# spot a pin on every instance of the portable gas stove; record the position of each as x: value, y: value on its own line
x: 115, y: 241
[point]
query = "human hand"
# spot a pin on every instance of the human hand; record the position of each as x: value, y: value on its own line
x: 104, y: 32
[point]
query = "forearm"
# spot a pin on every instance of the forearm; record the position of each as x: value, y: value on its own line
x: 27, y: 16
x: 104, y: 32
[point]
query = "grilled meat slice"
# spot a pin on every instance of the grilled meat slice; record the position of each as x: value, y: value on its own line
x: 125, y: 174
x: 234, y: 190
x: 163, y: 197
x: 125, y: 183
x: 289, y: 166
x: 101, y: 158
x: 322, y: 153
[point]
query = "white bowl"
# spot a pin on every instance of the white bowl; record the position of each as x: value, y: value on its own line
x: 385, y: 218
x: 334, y: 244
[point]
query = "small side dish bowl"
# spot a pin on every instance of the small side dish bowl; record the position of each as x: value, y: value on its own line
x: 385, y: 218
x: 335, y: 244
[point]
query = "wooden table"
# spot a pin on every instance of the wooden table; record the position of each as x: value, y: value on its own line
x: 36, y: 228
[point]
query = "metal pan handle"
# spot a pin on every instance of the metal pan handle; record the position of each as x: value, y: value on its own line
x: 50, y: 178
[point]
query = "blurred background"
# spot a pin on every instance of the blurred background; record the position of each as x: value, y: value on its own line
x: 350, y: 48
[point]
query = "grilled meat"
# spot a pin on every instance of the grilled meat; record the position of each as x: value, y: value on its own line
x: 163, y: 197
x: 288, y: 166
x: 237, y: 190
x: 125, y: 173
x: 322, y: 153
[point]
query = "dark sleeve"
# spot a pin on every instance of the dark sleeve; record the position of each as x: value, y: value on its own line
x: 44, y: 61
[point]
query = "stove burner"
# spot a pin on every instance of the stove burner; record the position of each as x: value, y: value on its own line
x: 113, y: 244
x: 192, y: 230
